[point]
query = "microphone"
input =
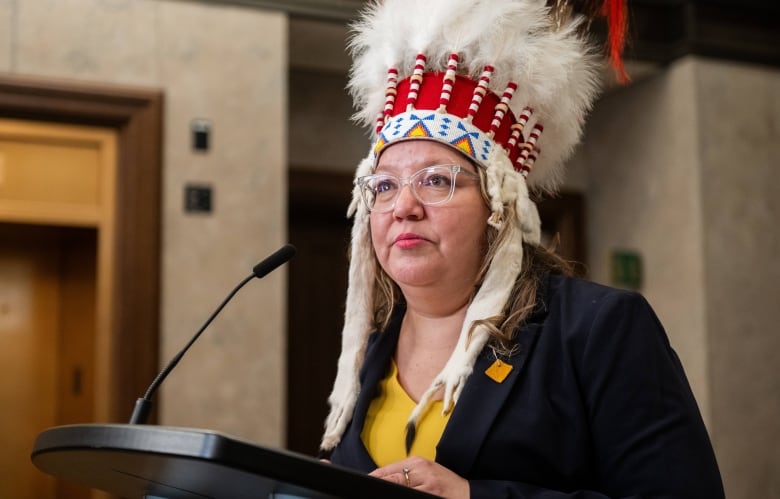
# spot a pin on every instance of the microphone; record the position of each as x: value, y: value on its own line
x: 144, y: 404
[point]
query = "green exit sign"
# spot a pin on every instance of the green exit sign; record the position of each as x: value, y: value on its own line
x: 626, y: 269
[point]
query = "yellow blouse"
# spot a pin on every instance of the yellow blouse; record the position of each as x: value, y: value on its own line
x: 384, y: 432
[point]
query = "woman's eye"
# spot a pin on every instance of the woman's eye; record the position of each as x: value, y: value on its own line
x: 383, y: 186
x: 435, y: 180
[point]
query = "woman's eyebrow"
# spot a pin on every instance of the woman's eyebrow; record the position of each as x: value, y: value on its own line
x: 425, y: 163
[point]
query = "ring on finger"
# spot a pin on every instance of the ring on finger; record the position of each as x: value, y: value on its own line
x: 406, y: 475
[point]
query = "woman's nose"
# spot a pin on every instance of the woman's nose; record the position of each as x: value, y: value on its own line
x: 407, y: 204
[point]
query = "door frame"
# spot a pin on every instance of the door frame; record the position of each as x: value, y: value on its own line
x: 136, y: 115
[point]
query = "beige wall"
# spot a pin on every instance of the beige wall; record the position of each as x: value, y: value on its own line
x: 740, y: 151
x: 641, y: 154
x: 683, y: 168
x: 229, y: 65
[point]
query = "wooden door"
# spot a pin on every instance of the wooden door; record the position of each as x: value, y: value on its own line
x: 56, y: 252
x: 46, y: 347
x: 127, y: 295
x: 29, y: 307
x: 317, y: 288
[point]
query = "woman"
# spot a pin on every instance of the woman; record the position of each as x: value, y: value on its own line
x: 472, y: 365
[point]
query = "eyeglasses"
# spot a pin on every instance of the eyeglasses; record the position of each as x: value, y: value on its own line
x: 433, y: 185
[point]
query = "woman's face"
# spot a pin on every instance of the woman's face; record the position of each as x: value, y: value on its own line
x: 430, y: 245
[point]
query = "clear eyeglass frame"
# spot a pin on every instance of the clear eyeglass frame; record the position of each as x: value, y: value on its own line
x: 432, y: 186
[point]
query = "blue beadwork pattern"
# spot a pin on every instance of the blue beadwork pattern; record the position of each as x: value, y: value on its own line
x: 442, y: 127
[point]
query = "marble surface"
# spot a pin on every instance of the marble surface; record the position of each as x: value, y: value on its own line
x: 7, y: 33
x: 642, y: 154
x: 740, y: 148
x: 110, y: 41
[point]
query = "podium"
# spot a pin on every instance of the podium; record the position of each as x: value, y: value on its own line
x: 154, y: 462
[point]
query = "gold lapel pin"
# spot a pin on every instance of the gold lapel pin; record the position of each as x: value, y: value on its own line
x: 498, y: 371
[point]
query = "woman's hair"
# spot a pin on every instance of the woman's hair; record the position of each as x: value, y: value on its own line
x: 538, y: 262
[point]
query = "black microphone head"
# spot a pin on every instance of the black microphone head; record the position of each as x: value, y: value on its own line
x: 281, y: 256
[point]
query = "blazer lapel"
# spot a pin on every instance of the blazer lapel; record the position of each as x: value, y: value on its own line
x: 480, y: 403
x: 377, y: 361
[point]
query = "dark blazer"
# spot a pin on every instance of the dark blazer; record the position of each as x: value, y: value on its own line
x: 597, y: 405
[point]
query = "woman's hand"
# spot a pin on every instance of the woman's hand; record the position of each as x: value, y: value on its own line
x: 428, y: 476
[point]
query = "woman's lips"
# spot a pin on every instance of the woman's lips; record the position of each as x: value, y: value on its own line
x: 408, y: 240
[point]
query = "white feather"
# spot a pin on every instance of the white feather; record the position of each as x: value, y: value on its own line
x: 555, y: 69
x: 357, y: 321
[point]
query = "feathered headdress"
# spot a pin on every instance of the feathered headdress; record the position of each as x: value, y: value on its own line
x: 499, y: 80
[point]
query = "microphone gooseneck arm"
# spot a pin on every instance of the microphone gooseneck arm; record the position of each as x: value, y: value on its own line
x: 143, y: 405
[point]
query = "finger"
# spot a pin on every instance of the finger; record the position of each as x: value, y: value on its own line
x: 398, y: 478
x: 379, y: 473
x: 384, y: 471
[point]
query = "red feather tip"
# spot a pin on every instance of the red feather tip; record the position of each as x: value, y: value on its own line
x: 617, y: 21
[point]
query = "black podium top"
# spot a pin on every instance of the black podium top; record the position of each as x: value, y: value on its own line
x: 140, y: 461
